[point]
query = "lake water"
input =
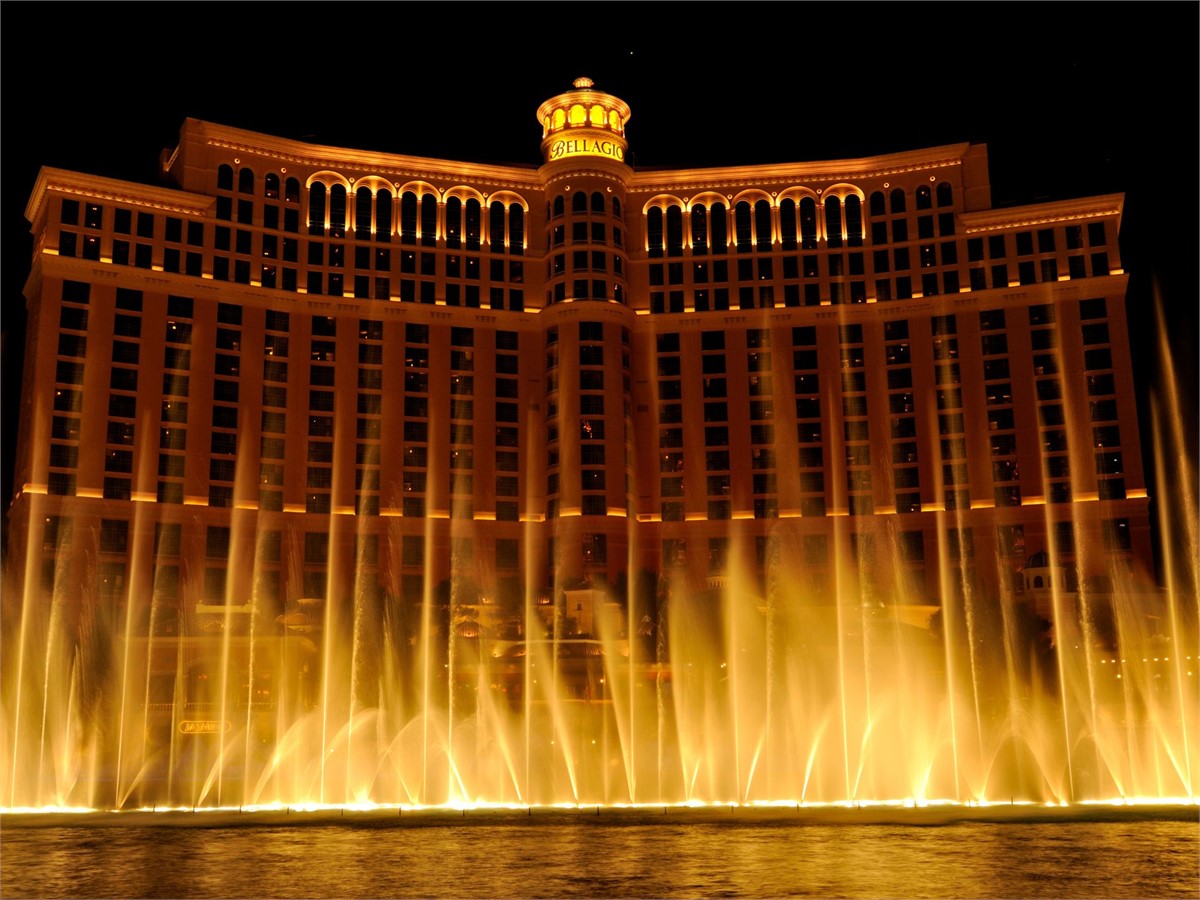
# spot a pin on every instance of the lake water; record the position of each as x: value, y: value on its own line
x: 1093, y: 853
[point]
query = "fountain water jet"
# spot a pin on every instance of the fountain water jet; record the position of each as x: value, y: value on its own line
x: 749, y: 690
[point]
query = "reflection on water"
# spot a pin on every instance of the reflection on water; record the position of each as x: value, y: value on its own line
x: 576, y: 855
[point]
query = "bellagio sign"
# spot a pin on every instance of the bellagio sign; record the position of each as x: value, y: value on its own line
x: 584, y: 146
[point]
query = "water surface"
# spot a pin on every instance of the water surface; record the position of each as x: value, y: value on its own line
x: 608, y: 854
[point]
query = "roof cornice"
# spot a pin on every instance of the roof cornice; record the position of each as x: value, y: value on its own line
x: 97, y: 187
x: 829, y: 171
x: 1036, y: 214
x: 369, y: 162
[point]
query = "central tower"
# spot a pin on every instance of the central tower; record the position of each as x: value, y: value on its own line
x: 588, y: 330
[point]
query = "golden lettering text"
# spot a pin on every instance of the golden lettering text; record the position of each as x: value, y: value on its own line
x: 586, y: 146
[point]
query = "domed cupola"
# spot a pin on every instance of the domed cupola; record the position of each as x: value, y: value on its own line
x: 583, y: 122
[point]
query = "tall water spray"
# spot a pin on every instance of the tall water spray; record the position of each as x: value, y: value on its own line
x: 761, y: 687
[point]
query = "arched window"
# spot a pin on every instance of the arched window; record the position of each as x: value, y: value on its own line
x: 924, y: 197
x: 516, y: 229
x: 945, y: 194
x: 699, y: 230
x: 898, y: 205
x: 225, y: 178
x: 762, y: 225
x: 453, y: 222
x: 674, y: 231
x: 718, y: 224
x: 408, y: 218
x: 616, y: 207
x: 246, y: 181
x: 1037, y: 581
x: 291, y: 191
x: 316, y: 209
x: 654, y: 232
x: 743, y: 227
x: 808, y: 223
x: 429, y: 221
x: 473, y: 224
x: 337, y: 210
x: 579, y: 202
x: 598, y: 202
x: 559, y: 206
x: 496, y: 226
x: 383, y: 216
x: 787, y: 224
x: 833, y: 221
x: 362, y: 213
x: 877, y: 204
x: 271, y: 186
x: 854, y: 224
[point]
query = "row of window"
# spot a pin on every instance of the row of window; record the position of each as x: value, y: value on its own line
x: 754, y: 228
x: 373, y: 210
x: 818, y: 290
x: 909, y: 546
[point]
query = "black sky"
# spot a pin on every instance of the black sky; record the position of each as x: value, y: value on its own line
x: 1072, y: 99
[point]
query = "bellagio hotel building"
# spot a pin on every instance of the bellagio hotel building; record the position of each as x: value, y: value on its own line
x: 291, y: 369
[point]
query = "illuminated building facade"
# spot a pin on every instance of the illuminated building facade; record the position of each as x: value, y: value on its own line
x: 294, y: 369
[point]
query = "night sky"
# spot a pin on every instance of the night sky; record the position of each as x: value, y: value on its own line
x: 1072, y: 100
